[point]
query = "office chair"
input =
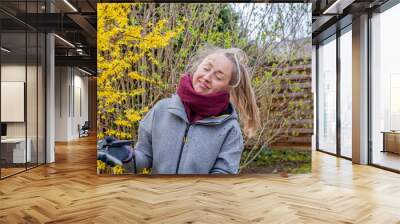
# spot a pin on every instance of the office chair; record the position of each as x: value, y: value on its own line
x: 84, y: 130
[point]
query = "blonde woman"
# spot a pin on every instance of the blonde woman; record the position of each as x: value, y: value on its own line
x: 197, y: 131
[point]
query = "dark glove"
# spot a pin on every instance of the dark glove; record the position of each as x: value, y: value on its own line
x: 115, y: 152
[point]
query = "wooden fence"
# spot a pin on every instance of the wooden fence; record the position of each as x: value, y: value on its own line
x: 299, y: 72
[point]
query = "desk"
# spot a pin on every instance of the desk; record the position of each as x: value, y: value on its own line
x: 15, y: 148
x: 391, y: 141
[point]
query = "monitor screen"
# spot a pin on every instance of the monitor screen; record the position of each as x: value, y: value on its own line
x: 3, y: 129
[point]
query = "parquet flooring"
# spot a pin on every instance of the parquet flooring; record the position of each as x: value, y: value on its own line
x: 387, y: 159
x: 9, y: 171
x: 69, y: 191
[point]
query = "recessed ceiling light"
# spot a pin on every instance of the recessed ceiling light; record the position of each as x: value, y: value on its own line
x: 65, y: 41
x: 5, y: 49
x: 70, y: 5
x: 338, y: 6
x: 86, y: 72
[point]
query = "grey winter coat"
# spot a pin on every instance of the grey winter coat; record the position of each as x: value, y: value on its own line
x: 168, y: 144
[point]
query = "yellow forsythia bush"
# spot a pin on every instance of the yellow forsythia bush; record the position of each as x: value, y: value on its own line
x: 124, y: 49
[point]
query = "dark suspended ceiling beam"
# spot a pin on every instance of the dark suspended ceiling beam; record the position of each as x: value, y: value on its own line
x: 78, y: 61
x: 328, y: 32
x: 50, y: 22
x: 85, y: 26
x: 321, y: 22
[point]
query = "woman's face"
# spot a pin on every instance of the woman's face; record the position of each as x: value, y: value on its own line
x: 213, y: 74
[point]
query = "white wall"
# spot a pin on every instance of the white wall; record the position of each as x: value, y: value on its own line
x: 12, y: 73
x: 33, y: 126
x: 71, y: 87
x: 80, y: 115
x: 62, y: 81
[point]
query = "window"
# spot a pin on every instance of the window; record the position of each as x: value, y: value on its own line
x: 385, y: 88
x: 327, y: 96
x: 346, y: 92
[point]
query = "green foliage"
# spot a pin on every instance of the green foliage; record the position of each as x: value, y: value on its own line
x: 288, y: 160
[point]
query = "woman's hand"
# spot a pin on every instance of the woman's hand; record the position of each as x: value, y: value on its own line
x: 115, y: 152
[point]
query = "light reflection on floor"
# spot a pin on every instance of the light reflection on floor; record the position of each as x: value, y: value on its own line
x: 386, y: 159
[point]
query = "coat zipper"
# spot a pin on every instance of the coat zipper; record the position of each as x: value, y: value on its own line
x: 183, y: 145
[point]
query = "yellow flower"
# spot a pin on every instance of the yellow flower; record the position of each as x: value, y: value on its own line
x: 118, y: 169
x: 146, y: 171
x: 100, y: 136
x: 101, y: 165
x: 124, y: 123
x: 125, y: 51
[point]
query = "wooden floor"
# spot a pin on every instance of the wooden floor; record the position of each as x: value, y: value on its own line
x: 5, y: 172
x: 10, y: 171
x: 69, y: 191
x: 386, y: 159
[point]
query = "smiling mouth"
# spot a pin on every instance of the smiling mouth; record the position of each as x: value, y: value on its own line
x: 203, y: 86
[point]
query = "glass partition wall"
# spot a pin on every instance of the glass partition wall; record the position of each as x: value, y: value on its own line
x: 385, y: 89
x: 13, y: 89
x: 334, y: 86
x: 334, y: 90
x: 22, y: 77
x: 327, y: 95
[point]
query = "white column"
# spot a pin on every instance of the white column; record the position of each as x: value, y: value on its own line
x: 360, y: 90
x: 50, y: 93
x: 50, y: 100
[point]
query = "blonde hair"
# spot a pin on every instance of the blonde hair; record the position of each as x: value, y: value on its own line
x: 241, y: 92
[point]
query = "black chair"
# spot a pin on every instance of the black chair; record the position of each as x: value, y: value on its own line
x: 84, y: 130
